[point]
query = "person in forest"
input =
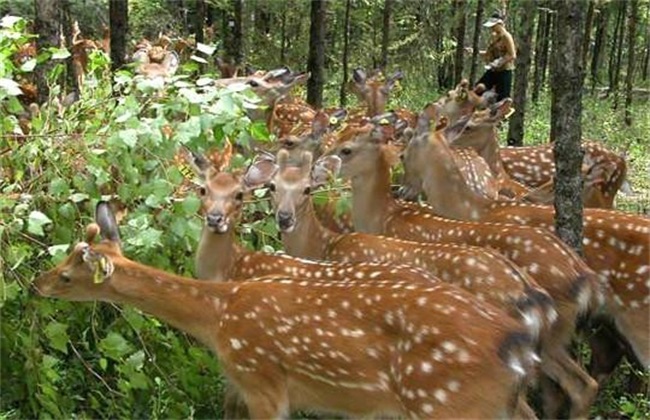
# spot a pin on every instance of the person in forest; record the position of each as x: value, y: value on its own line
x: 500, y: 58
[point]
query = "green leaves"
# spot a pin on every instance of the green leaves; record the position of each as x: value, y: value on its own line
x: 36, y: 222
x: 57, y: 335
x: 115, y: 346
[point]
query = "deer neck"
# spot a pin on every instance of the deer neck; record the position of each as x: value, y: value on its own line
x: 446, y: 189
x: 217, y: 254
x: 372, y: 200
x: 309, y: 238
x: 189, y: 305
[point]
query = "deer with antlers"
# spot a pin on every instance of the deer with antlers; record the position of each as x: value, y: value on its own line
x: 366, y: 160
x: 615, y: 244
x: 288, y: 344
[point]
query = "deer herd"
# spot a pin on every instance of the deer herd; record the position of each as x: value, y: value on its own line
x: 453, y: 307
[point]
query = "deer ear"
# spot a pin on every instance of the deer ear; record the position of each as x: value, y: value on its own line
x: 359, y: 76
x: 392, y: 80
x: 324, y: 169
x: 105, y: 218
x: 141, y: 56
x: 99, y: 264
x: 501, y: 109
x: 171, y: 62
x: 199, y: 163
x: 261, y: 171
x: 320, y: 123
x: 337, y: 117
x: 305, y: 162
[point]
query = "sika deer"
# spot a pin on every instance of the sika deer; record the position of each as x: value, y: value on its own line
x: 478, y: 131
x: 366, y: 160
x: 485, y: 273
x: 287, y: 345
x: 615, y: 243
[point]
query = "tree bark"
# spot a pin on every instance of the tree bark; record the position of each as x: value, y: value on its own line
x: 599, y: 43
x: 631, y: 44
x: 119, y: 26
x: 346, y: 53
x: 550, y: 17
x: 234, y: 35
x: 199, y: 21
x: 619, y: 54
x: 46, y: 25
x: 588, y: 26
x: 459, y: 6
x: 316, y: 59
x: 522, y: 67
x: 566, y: 88
x: 616, y: 45
x: 539, y: 45
x: 477, y: 32
x: 385, y: 35
x: 283, y: 37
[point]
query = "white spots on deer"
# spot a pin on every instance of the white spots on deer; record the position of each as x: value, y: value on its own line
x: 426, y: 367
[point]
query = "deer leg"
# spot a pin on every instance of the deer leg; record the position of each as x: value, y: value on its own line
x: 268, y: 403
x: 233, y: 405
x: 554, y: 400
x: 523, y: 410
x: 606, y: 353
x: 580, y: 387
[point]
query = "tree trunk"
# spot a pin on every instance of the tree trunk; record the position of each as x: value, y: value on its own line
x: 119, y: 26
x: 545, y: 48
x: 385, y: 35
x: 459, y: 6
x: 599, y: 43
x: 566, y: 88
x: 477, y: 32
x: 587, y: 37
x: 283, y: 37
x: 619, y: 54
x: 539, y: 45
x: 615, y: 45
x: 346, y: 53
x: 316, y: 59
x: 629, y: 77
x: 199, y: 21
x: 46, y: 26
x: 234, y: 35
x: 522, y: 67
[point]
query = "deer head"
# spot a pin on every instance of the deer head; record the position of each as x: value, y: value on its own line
x: 314, y: 141
x: 462, y: 100
x: 85, y: 274
x: 374, y: 90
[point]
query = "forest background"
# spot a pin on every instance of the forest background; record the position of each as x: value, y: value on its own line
x: 60, y: 359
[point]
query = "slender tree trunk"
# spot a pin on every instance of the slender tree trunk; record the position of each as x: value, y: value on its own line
x: 199, y: 22
x: 316, y: 59
x: 119, y: 23
x: 631, y: 44
x: 618, y: 30
x: 283, y: 37
x: 385, y: 35
x: 646, y: 59
x: 619, y: 54
x: 547, y: 42
x: 46, y: 25
x: 566, y: 87
x: 234, y: 34
x: 459, y: 6
x: 346, y: 53
x: 599, y: 44
x: 477, y: 32
x: 587, y: 37
x: 539, y: 45
x: 522, y: 67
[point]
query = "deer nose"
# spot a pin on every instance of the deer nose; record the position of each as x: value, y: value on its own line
x: 285, y: 219
x: 215, y: 219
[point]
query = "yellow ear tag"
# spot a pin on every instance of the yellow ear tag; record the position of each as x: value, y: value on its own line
x: 384, y: 121
x: 103, y: 269
x: 333, y: 120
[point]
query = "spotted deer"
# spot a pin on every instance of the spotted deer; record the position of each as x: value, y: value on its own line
x: 615, y: 243
x: 478, y: 130
x: 485, y: 273
x: 366, y: 160
x: 220, y: 257
x: 374, y: 91
x: 348, y: 347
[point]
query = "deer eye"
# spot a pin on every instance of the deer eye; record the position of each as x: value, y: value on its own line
x: 64, y: 278
x: 239, y: 196
x: 307, y: 190
x: 271, y: 186
x: 253, y: 83
x: 202, y: 191
x: 346, y: 151
x: 289, y: 143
